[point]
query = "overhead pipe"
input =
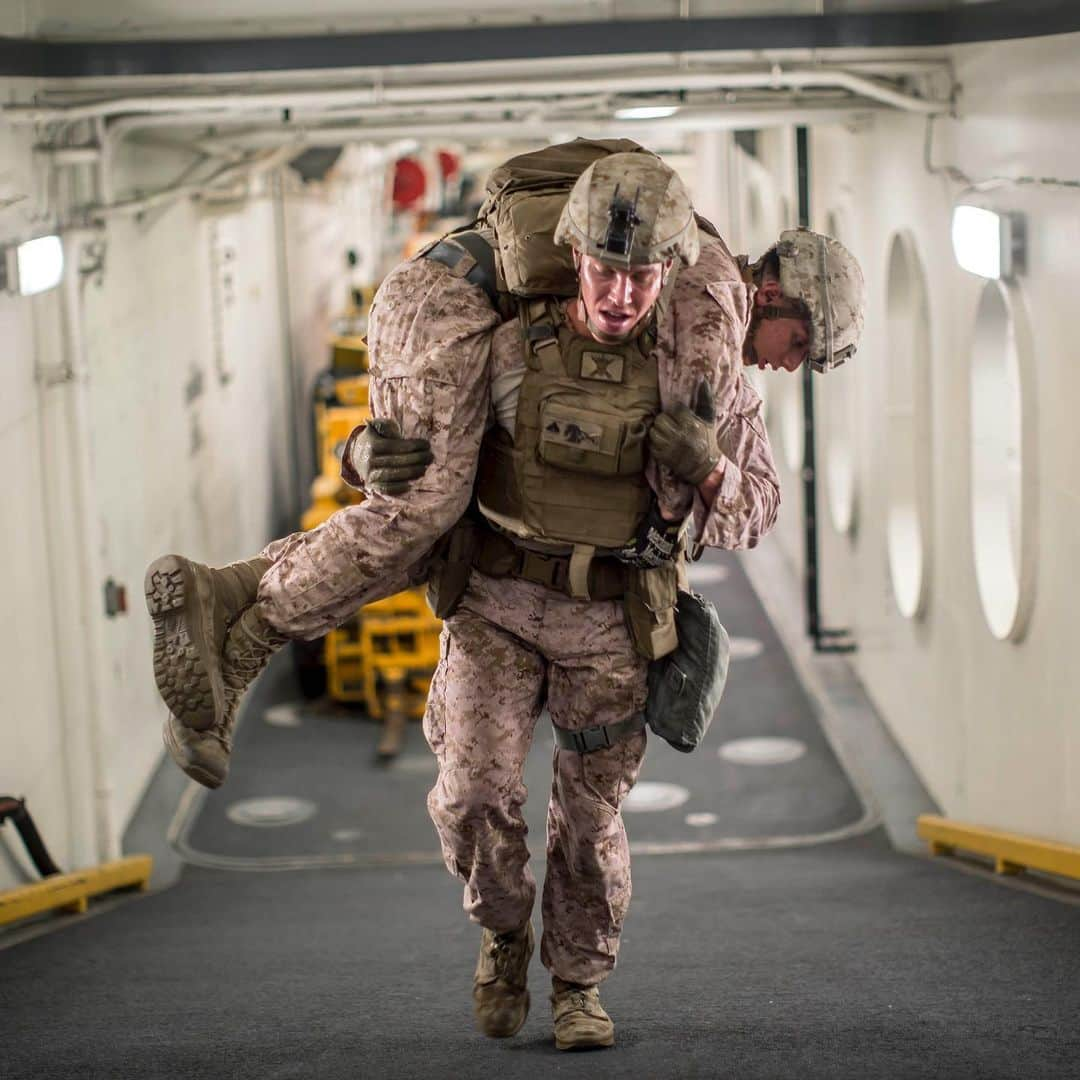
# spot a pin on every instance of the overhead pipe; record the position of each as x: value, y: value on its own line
x: 125, y: 125
x: 90, y: 698
x: 775, y: 78
x: 717, y: 120
x: 242, y: 173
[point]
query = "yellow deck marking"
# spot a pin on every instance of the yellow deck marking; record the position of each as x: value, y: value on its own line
x: 71, y: 892
x: 1011, y: 852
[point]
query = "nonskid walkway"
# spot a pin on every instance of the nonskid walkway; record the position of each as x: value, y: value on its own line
x: 800, y: 955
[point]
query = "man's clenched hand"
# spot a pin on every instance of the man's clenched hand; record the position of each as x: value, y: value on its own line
x: 383, y: 461
x: 685, y: 440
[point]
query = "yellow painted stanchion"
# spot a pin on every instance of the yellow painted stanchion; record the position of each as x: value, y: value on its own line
x: 1011, y: 852
x: 71, y: 892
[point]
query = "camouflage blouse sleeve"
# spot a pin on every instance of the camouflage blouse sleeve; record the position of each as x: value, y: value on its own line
x: 430, y: 344
x: 429, y: 339
x: 701, y: 335
x: 748, y: 499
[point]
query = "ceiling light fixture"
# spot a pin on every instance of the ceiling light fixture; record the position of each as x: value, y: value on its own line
x: 988, y: 244
x: 646, y: 112
x: 33, y: 267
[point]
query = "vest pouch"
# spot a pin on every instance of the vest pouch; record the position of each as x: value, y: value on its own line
x: 532, y: 263
x: 496, y: 488
x: 451, y: 566
x: 649, y: 607
x: 632, y: 449
x: 583, y: 440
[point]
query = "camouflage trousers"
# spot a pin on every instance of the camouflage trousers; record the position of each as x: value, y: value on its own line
x: 511, y: 648
x: 318, y: 581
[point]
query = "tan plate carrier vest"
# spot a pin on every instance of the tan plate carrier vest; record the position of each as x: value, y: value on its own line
x: 573, y: 477
x: 574, y: 472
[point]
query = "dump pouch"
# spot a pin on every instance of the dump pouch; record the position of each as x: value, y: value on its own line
x: 451, y: 565
x: 649, y: 605
x: 685, y: 687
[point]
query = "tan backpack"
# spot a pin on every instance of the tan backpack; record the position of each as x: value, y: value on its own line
x: 525, y: 197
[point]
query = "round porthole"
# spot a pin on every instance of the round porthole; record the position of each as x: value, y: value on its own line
x: 1002, y: 461
x: 908, y: 451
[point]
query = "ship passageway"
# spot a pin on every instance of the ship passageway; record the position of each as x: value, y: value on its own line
x: 774, y: 929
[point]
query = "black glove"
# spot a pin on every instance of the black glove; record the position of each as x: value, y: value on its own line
x: 656, y: 543
x: 685, y: 440
x: 377, y: 459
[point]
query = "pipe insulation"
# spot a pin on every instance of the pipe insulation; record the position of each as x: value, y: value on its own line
x: 775, y: 77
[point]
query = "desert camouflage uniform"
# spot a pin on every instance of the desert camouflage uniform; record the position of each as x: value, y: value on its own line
x: 511, y: 639
x: 430, y: 339
x: 514, y: 646
x: 511, y: 648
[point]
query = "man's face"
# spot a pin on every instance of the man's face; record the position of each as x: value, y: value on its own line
x: 616, y: 300
x: 779, y: 344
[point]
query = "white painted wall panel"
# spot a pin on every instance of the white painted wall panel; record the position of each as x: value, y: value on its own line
x: 190, y: 419
x: 993, y: 727
x: 32, y: 759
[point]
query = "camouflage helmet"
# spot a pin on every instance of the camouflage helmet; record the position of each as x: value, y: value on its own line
x: 629, y: 210
x: 821, y: 273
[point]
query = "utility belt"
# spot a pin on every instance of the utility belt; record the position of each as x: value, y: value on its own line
x: 689, y: 654
x: 648, y: 595
x: 578, y: 573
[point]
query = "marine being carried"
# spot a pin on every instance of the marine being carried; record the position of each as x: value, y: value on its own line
x: 620, y: 413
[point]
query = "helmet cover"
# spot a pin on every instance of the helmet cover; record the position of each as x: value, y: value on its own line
x: 629, y: 210
x: 821, y: 273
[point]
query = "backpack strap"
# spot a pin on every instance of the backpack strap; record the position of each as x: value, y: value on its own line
x: 450, y: 250
x: 540, y: 320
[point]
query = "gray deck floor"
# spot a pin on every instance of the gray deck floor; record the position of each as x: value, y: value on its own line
x: 815, y: 959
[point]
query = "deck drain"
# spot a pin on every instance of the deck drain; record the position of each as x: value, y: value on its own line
x: 763, y: 750
x: 649, y: 796
x: 421, y: 764
x: 348, y: 836
x: 286, y: 715
x: 706, y: 574
x: 701, y: 820
x: 271, y: 812
x: 746, y: 648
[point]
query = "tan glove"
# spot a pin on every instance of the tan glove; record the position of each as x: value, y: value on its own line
x: 685, y: 440
x: 377, y: 459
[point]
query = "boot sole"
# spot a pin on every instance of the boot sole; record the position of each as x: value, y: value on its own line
x: 187, y: 673
x: 176, y: 752
x: 513, y: 1031
x: 585, y: 1044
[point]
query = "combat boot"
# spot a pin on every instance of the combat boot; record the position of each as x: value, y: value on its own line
x: 192, y: 607
x: 580, y: 1020
x: 500, y: 985
x: 204, y: 755
x: 249, y: 644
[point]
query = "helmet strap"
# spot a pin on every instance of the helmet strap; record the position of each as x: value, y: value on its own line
x: 783, y: 311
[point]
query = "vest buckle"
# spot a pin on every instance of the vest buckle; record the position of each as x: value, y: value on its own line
x: 549, y: 570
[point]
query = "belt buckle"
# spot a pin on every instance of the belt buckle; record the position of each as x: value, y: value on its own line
x: 543, y: 569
